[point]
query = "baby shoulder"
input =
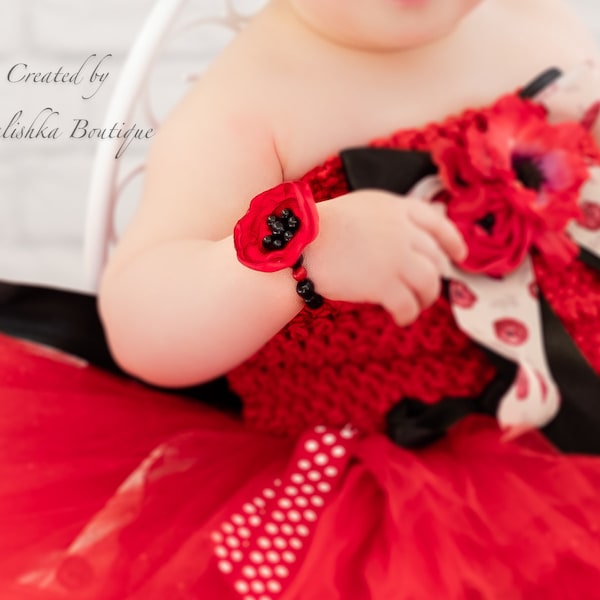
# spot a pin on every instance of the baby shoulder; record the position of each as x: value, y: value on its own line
x: 212, y: 154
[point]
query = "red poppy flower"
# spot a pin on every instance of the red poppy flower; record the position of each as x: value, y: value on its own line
x: 253, y: 227
x: 513, y: 182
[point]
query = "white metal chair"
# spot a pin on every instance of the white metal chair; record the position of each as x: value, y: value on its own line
x: 109, y: 175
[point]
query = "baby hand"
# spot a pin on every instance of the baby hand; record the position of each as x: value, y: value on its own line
x: 374, y: 246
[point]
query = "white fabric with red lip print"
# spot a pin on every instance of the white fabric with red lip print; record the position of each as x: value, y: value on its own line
x: 504, y: 316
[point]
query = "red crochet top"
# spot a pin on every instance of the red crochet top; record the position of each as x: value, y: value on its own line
x: 350, y: 363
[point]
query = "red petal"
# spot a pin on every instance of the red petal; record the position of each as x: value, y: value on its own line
x: 591, y: 116
x: 557, y: 246
x: 252, y: 227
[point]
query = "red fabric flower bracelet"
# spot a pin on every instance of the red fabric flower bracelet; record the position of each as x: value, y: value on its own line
x: 272, y: 235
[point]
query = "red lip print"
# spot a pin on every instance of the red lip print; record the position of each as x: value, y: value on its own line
x: 534, y: 289
x: 511, y: 331
x: 543, y: 386
x: 461, y: 295
x: 590, y: 215
x: 522, y: 385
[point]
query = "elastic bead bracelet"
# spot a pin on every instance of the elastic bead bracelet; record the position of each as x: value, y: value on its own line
x: 272, y: 235
x: 305, y: 288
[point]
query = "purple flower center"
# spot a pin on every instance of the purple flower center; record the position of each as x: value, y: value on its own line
x: 528, y: 171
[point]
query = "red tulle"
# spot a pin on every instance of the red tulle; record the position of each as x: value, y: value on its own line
x: 469, y: 517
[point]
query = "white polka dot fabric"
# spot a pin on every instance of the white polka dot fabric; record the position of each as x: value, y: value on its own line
x: 260, y: 547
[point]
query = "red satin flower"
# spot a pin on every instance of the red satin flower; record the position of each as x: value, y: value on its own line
x: 252, y: 228
x: 513, y: 182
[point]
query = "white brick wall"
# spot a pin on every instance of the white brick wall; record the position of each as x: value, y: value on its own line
x: 44, y: 184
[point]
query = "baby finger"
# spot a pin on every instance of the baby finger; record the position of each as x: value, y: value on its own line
x: 423, y: 243
x: 402, y: 305
x: 424, y: 279
x: 442, y: 229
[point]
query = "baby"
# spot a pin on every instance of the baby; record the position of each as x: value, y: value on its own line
x: 368, y: 464
x: 305, y: 79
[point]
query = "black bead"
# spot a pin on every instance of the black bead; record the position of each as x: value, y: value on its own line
x: 277, y: 227
x: 315, y: 302
x: 267, y: 242
x: 271, y: 219
x: 305, y: 288
x: 277, y: 244
x: 288, y: 236
x: 286, y: 213
x: 293, y: 222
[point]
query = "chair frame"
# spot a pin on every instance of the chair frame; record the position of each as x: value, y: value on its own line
x: 107, y: 178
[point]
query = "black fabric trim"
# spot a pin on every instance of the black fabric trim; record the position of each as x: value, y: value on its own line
x: 412, y: 423
x: 59, y: 318
x: 386, y: 168
x: 589, y: 259
x: 542, y: 81
x: 576, y: 428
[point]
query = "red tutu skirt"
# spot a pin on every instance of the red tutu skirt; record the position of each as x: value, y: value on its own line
x: 112, y: 491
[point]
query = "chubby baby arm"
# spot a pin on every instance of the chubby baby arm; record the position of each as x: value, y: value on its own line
x: 177, y: 306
